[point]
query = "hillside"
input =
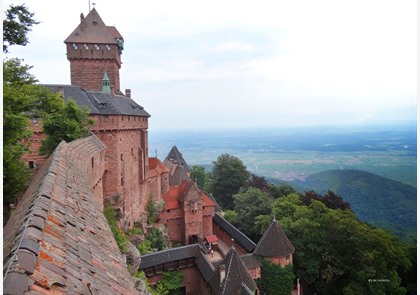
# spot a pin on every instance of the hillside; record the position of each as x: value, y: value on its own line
x: 378, y: 200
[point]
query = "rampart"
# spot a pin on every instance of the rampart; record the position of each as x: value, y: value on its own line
x: 58, y: 239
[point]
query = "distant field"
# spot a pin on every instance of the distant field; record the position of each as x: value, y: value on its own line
x: 295, y: 154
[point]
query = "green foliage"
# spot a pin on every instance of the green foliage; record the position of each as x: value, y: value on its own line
x: 231, y: 216
x: 145, y: 247
x: 142, y: 276
x: 19, y: 98
x: 250, y: 203
x: 275, y: 279
x: 152, y: 210
x: 170, y: 283
x: 199, y: 175
x: 119, y: 236
x: 378, y: 200
x: 283, y: 189
x: 134, y: 231
x: 229, y: 174
x: 69, y: 123
x: 16, y: 25
x: 157, y: 239
x: 337, y: 254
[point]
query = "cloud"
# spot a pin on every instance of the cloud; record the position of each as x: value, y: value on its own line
x: 240, y: 63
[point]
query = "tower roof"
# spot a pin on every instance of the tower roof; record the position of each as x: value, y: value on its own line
x: 274, y: 242
x: 178, y: 167
x: 237, y: 279
x: 92, y: 29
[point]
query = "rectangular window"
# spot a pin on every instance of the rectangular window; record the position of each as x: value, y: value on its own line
x: 31, y: 164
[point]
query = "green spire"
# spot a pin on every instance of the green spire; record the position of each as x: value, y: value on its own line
x: 106, y: 85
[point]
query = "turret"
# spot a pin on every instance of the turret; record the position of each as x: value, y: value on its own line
x: 92, y: 49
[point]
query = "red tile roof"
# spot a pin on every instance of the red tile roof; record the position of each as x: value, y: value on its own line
x: 211, y: 239
x: 156, y: 167
x: 177, y: 193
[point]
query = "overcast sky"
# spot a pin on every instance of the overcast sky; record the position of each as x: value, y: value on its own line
x: 232, y: 64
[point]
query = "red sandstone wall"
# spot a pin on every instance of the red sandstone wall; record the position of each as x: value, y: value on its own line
x: 282, y: 260
x: 34, y: 143
x: 87, y: 65
x: 227, y: 240
x: 194, y: 282
x: 174, y: 224
x: 207, y: 225
x: 126, y: 162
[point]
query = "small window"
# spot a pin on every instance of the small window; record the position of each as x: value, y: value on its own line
x: 93, y: 163
x: 132, y: 151
x: 122, y: 118
x: 122, y: 181
x: 128, y: 118
x: 31, y: 164
x: 122, y: 159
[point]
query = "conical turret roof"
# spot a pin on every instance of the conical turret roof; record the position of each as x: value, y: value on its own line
x: 237, y: 279
x: 274, y: 243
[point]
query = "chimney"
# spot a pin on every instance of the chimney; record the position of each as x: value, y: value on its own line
x: 112, y: 92
x: 128, y: 93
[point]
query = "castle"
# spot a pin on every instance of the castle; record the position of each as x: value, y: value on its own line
x: 58, y: 242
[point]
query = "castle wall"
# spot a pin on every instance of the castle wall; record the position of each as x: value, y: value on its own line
x: 193, y: 282
x: 33, y: 159
x: 174, y: 224
x: 208, y: 224
x: 282, y: 260
x: 126, y: 163
x: 226, y: 239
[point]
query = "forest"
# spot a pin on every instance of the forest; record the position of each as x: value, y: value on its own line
x: 336, y: 252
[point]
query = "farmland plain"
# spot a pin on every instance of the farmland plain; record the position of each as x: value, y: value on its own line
x: 294, y: 154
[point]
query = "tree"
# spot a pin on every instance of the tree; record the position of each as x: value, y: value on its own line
x: 68, y: 123
x: 250, y: 203
x: 275, y: 279
x: 18, y: 98
x: 283, y: 189
x: 337, y: 254
x: 16, y: 25
x: 229, y: 174
x: 257, y: 182
x: 330, y: 199
x: 198, y: 174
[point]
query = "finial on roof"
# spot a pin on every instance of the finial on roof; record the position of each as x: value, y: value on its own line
x: 106, y: 85
x: 82, y: 17
x: 232, y: 246
x: 274, y: 216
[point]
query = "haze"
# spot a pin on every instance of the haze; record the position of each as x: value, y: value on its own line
x: 240, y: 64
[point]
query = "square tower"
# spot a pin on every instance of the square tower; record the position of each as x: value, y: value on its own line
x: 92, y: 49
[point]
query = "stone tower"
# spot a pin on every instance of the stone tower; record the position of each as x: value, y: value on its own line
x: 92, y: 49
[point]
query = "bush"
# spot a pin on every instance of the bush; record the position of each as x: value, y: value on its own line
x: 119, y: 236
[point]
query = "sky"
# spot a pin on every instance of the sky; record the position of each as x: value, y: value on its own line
x: 199, y: 65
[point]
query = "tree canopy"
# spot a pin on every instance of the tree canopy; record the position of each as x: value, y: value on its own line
x: 68, y: 123
x: 337, y: 254
x: 16, y: 25
x: 250, y: 203
x: 229, y: 174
